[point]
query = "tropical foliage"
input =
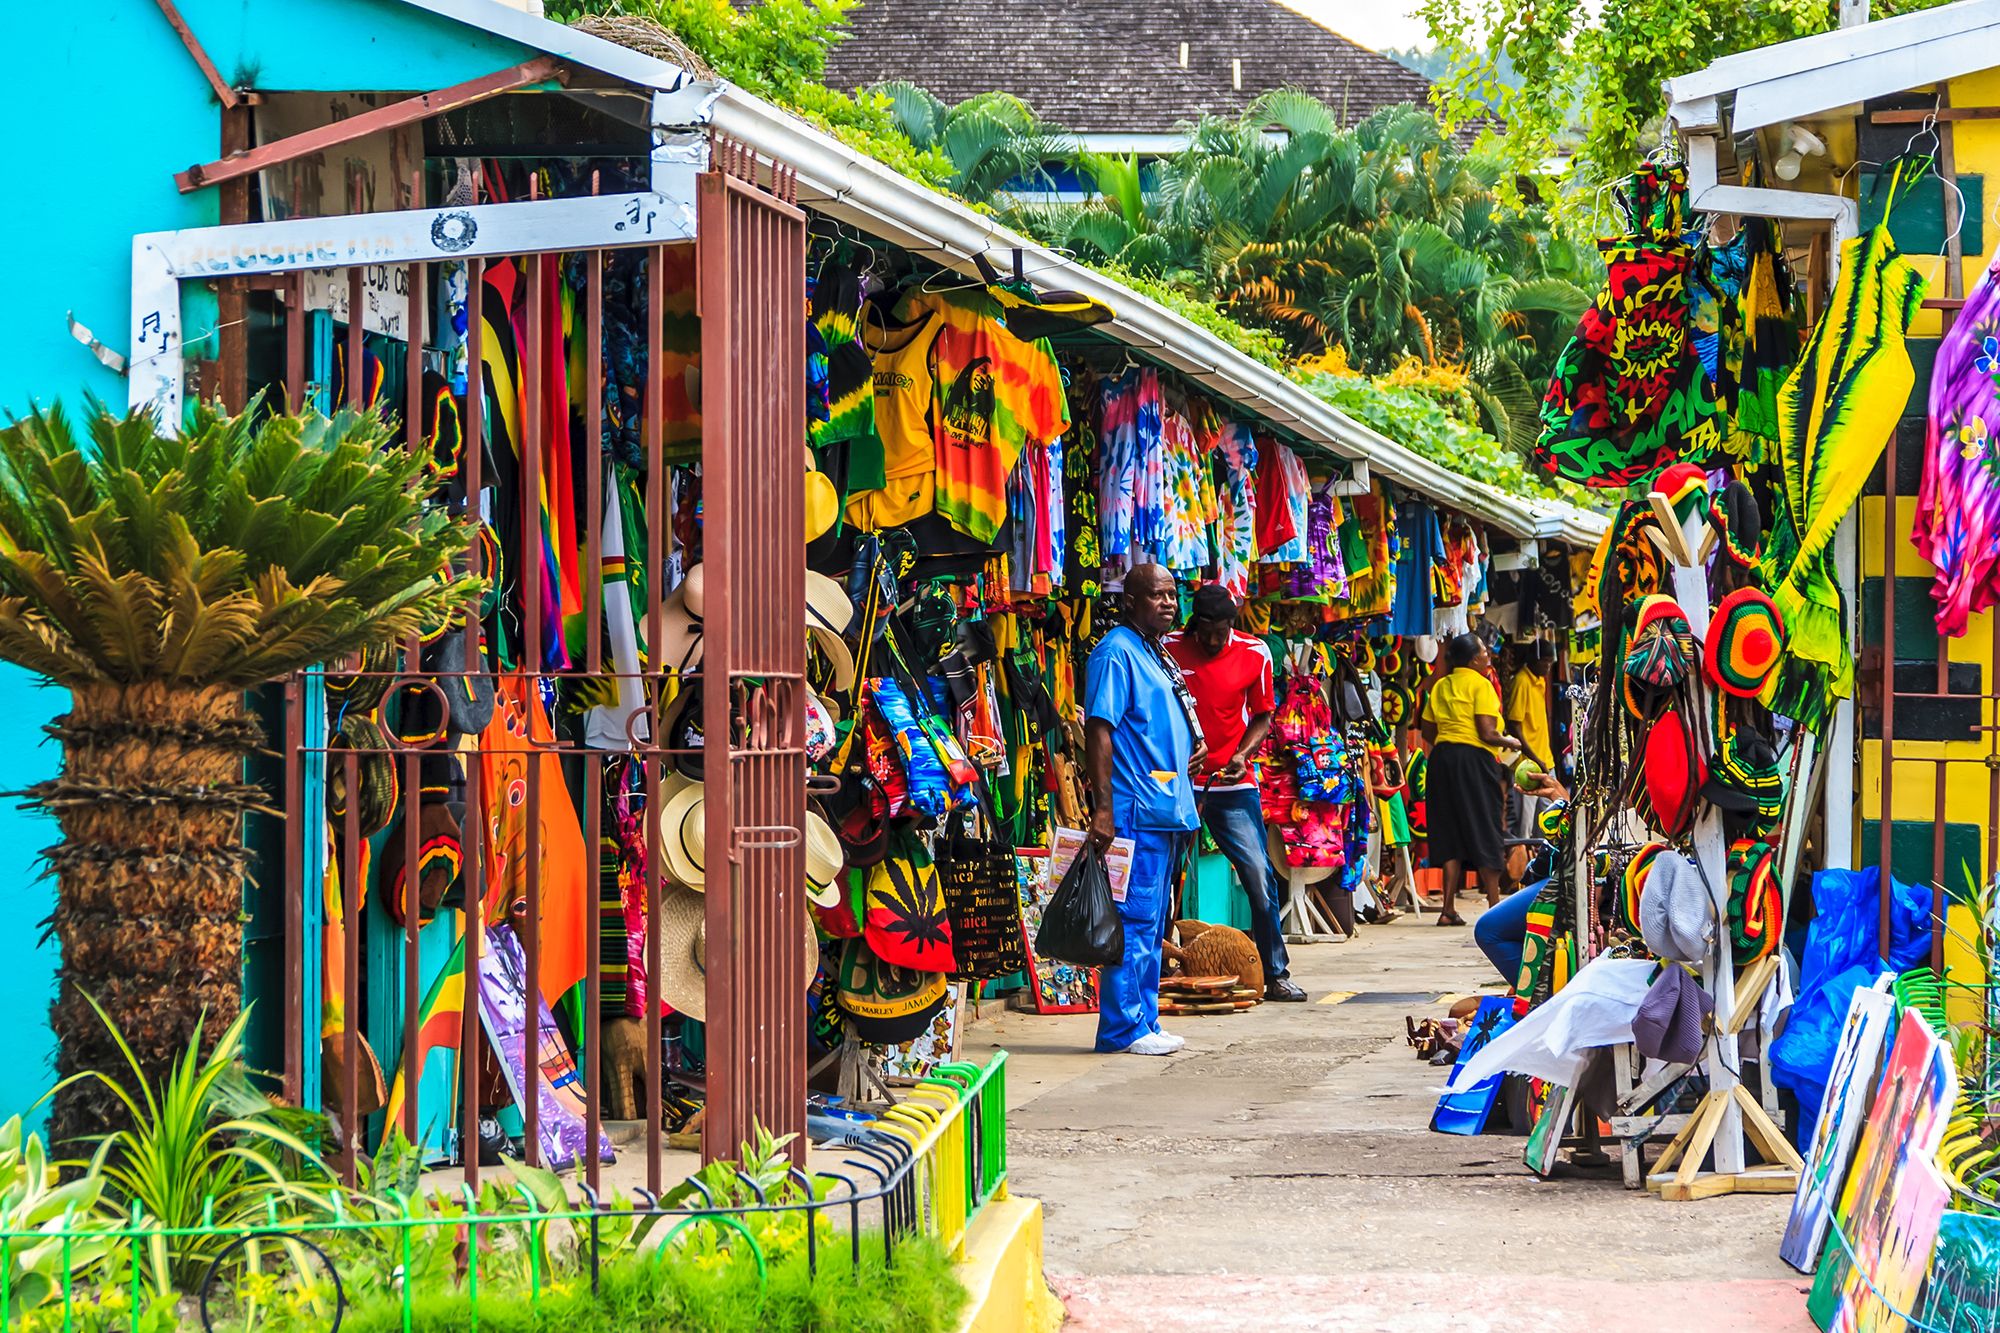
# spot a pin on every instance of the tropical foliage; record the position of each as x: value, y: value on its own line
x: 993, y: 141
x: 1383, y: 239
x: 1589, y: 77
x: 158, y: 575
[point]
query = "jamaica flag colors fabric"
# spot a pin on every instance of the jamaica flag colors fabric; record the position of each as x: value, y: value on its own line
x: 1628, y: 395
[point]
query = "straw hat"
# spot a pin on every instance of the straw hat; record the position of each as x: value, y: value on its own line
x: 680, y: 627
x: 683, y: 835
x: 822, y: 504
x: 683, y: 952
x: 824, y: 861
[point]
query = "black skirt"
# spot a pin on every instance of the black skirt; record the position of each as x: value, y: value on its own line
x: 1462, y: 801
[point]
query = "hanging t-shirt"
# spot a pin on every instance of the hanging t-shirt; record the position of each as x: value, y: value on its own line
x: 904, y: 392
x: 1528, y: 710
x: 1284, y: 493
x: 1188, y: 496
x: 995, y: 395
x: 1422, y: 548
x: 850, y: 417
x: 1235, y: 451
x: 1126, y: 503
x: 1229, y: 689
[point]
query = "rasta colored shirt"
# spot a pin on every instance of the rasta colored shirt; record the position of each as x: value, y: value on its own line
x: 995, y: 395
x: 904, y: 392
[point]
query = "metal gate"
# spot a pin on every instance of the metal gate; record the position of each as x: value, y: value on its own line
x: 753, y: 246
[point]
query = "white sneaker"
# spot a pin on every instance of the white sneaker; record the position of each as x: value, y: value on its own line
x: 1177, y: 1041
x: 1155, y: 1043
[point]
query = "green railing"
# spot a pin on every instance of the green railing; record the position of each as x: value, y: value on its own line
x: 928, y: 1165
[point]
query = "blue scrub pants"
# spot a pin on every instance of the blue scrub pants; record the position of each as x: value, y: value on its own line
x: 1128, y: 995
x: 1236, y: 818
x: 1502, y: 929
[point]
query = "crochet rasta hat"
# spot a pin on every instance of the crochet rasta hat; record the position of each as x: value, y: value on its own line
x: 1746, y: 638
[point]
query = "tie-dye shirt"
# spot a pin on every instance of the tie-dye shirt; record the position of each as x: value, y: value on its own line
x: 1187, y: 497
x: 1236, y: 507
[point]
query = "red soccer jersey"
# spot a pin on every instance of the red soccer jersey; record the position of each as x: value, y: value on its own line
x: 1229, y: 689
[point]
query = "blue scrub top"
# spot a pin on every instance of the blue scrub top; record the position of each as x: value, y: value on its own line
x: 1150, y: 741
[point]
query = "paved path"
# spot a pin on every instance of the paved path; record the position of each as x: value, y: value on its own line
x: 1280, y: 1174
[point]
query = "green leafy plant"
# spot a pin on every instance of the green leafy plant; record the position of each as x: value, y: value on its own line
x: 37, y: 1209
x: 1589, y: 79
x: 158, y: 575
x: 201, y: 1150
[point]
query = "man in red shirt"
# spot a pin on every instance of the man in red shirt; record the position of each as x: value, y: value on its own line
x: 1229, y: 674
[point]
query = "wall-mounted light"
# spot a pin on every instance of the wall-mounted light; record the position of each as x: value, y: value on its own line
x: 1800, y: 144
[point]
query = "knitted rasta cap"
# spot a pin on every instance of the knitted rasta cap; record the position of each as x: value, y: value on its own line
x: 1756, y: 904
x: 1686, y: 487
x: 1745, y: 640
x: 1738, y: 522
x: 1636, y: 871
x: 1674, y: 773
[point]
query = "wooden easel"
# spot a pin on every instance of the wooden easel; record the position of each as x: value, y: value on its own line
x: 1727, y: 1112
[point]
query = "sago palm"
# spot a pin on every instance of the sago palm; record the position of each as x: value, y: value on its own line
x: 157, y: 577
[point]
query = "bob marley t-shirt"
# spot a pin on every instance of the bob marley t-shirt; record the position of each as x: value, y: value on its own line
x: 996, y: 394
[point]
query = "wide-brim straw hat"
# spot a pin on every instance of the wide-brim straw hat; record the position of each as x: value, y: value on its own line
x: 683, y: 835
x: 683, y: 952
x: 824, y: 861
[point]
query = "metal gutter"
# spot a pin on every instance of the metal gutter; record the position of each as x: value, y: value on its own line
x: 844, y: 184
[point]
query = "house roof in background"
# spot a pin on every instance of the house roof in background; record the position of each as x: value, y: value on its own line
x: 1114, y: 65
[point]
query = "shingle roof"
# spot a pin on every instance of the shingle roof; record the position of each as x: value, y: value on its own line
x: 1115, y: 65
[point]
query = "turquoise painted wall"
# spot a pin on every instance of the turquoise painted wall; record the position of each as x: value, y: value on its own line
x: 120, y: 108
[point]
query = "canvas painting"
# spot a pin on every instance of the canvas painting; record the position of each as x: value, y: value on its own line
x: 1056, y: 988
x: 560, y: 1129
x: 1963, y: 1295
x: 1465, y: 1110
x: 936, y: 1045
x: 1850, y: 1089
x: 1887, y: 1219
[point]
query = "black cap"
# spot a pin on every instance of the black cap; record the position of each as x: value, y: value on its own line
x: 1212, y: 602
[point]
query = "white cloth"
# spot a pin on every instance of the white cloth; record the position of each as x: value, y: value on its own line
x: 1595, y: 1009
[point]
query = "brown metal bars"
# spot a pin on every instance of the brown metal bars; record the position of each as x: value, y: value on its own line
x: 752, y: 287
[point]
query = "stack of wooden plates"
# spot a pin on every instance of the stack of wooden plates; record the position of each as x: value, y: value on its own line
x: 1205, y: 995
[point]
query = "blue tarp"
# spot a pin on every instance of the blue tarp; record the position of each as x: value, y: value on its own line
x: 1842, y: 956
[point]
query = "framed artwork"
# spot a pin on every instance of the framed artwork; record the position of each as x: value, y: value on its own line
x: 1850, y: 1090
x: 935, y: 1045
x: 1963, y: 1295
x: 1465, y: 1110
x: 1886, y: 1222
x: 1055, y: 988
x: 503, y: 1008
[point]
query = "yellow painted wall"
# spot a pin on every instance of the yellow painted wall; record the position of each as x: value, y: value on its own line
x: 1967, y: 794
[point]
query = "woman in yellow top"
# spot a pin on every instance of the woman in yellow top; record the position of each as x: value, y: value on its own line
x: 1462, y: 723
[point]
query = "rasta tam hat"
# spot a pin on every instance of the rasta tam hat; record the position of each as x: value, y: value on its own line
x: 375, y: 774
x: 1674, y: 773
x: 1738, y: 523
x: 440, y: 859
x: 907, y: 924
x: 884, y: 1003
x: 1659, y: 655
x: 1746, y: 638
x: 1743, y: 779
x: 1685, y: 487
x: 1756, y: 903
x: 1633, y: 883
x: 1397, y: 703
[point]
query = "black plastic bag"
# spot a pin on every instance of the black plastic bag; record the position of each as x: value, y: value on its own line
x: 1081, y: 924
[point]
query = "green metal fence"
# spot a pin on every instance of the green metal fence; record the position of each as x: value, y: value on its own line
x: 927, y: 1166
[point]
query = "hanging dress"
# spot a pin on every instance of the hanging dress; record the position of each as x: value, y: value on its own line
x: 1835, y: 413
x: 1958, y: 503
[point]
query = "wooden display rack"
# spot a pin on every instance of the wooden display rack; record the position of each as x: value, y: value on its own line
x: 1727, y: 1113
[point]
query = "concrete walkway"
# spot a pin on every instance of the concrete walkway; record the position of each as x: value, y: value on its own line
x: 1279, y: 1173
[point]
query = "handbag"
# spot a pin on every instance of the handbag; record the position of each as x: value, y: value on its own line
x: 983, y: 899
x: 1081, y: 925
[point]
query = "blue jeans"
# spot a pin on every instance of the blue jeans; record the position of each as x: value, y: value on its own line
x: 1128, y: 995
x: 1236, y: 818
x: 1501, y: 929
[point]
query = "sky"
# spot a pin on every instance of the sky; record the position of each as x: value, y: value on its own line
x: 1373, y: 23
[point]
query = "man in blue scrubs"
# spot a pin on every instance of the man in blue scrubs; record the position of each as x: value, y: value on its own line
x: 1140, y: 742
